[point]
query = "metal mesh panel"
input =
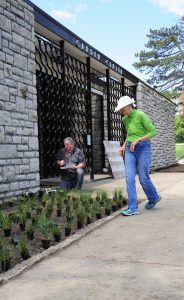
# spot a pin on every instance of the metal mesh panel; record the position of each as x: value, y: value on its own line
x: 78, y: 107
x: 116, y: 90
x: 63, y: 105
x: 50, y: 89
x: 116, y: 126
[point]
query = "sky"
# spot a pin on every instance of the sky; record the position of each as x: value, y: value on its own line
x: 117, y: 28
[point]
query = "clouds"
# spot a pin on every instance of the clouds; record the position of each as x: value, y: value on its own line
x: 173, y: 6
x: 59, y: 14
x: 69, y: 13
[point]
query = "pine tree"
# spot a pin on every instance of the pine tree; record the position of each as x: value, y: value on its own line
x: 164, y: 62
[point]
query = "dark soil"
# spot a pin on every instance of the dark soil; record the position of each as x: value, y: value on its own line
x: 35, y: 245
x: 178, y: 168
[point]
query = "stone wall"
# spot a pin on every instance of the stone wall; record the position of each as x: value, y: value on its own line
x: 19, y: 161
x: 162, y: 113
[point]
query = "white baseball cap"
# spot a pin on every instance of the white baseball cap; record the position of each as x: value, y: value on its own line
x: 124, y: 101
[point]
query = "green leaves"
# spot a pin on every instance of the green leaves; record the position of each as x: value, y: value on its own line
x: 164, y: 61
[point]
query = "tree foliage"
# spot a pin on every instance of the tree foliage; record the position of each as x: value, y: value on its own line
x: 164, y: 61
x: 179, y: 126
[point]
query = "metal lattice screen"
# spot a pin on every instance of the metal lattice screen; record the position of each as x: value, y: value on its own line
x: 116, y: 90
x: 63, y: 109
x: 76, y: 98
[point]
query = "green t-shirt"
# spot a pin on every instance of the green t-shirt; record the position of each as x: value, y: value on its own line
x: 138, y: 124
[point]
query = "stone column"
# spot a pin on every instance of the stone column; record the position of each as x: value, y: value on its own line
x: 19, y: 156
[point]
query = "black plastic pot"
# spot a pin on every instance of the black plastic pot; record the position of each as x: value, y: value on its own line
x: 57, y: 237
x: 28, y: 215
x: 98, y: 216
x: 67, y: 231
x: 7, y: 232
x: 45, y: 244
x: 89, y: 220
x: 80, y: 224
x: 124, y: 202
x: 107, y: 211
x: 6, y: 264
x: 114, y: 208
x: 30, y: 236
x: 22, y: 227
x: 58, y: 212
x: 25, y: 256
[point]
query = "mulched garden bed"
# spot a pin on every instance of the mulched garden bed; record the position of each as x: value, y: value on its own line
x: 178, y: 168
x: 48, y: 214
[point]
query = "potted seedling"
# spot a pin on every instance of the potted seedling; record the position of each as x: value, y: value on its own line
x: 45, y: 227
x: 24, y: 249
x: 5, y: 256
x: 89, y: 216
x: 97, y: 209
x: 69, y: 216
x: 56, y: 233
x: 81, y: 214
x: 118, y: 195
x: 5, y: 223
x: 30, y: 232
x: 108, y: 206
x: 68, y: 227
x: 22, y: 220
x: 34, y: 218
x: 49, y: 208
x: 38, y: 209
x: 59, y: 204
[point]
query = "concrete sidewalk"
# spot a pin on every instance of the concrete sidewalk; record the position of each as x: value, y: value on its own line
x: 138, y: 257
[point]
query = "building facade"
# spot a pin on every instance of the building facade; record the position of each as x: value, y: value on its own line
x: 52, y: 85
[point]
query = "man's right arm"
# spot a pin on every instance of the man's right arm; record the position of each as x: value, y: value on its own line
x: 60, y: 158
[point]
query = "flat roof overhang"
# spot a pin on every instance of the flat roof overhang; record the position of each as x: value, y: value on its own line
x: 54, y: 31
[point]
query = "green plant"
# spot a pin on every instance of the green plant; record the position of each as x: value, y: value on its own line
x: 56, y: 233
x: 102, y: 196
x: 69, y: 225
x: 108, y: 203
x: 5, y: 256
x: 49, y: 208
x: 23, y: 246
x: 81, y: 213
x: 56, y: 230
x: 5, y: 220
x: 30, y: 231
x: 22, y: 218
x: 45, y: 226
x: 96, y: 207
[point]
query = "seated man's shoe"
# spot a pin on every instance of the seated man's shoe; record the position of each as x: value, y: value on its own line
x: 150, y: 205
x: 130, y: 212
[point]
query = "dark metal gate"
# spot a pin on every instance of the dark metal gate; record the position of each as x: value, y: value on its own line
x: 64, y: 106
x: 116, y: 89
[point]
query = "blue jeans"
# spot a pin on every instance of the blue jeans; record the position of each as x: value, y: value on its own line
x: 68, y: 183
x: 139, y: 161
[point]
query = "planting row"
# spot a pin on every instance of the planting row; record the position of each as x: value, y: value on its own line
x: 43, y: 219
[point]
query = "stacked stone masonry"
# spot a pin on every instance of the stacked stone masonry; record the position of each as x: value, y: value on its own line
x: 19, y: 156
x: 162, y: 113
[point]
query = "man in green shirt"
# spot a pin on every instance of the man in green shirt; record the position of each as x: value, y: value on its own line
x: 137, y: 153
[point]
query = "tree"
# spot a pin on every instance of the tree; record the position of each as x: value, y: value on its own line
x: 164, y: 62
x: 179, y: 125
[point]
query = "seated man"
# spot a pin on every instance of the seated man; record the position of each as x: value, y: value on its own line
x: 71, y: 161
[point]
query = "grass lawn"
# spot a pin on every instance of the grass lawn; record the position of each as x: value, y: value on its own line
x: 180, y: 151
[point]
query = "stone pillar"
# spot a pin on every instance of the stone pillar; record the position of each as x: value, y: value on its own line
x: 19, y: 156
